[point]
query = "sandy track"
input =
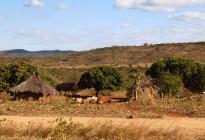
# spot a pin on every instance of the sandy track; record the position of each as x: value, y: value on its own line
x: 189, y: 124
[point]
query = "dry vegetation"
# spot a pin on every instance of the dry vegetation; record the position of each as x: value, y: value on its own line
x: 61, y: 106
x: 118, y: 56
x: 123, y: 56
x: 61, y: 129
x: 193, y: 107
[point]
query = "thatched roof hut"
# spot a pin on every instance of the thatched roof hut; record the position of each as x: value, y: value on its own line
x: 147, y: 90
x: 33, y: 87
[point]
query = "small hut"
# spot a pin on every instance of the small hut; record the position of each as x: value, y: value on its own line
x: 147, y: 90
x: 34, y: 88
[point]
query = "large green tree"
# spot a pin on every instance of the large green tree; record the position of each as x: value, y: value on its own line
x: 16, y: 73
x: 101, y: 78
x: 190, y: 72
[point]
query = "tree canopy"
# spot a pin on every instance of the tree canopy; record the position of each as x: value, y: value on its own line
x: 191, y: 73
x: 15, y: 73
x: 101, y: 78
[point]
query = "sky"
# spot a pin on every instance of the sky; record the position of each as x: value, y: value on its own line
x: 87, y: 24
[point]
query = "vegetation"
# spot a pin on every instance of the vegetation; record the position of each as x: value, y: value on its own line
x: 135, y: 76
x: 192, y: 107
x: 16, y: 73
x: 169, y: 84
x: 116, y: 56
x: 62, y: 106
x: 191, y: 73
x: 101, y: 78
x: 60, y: 129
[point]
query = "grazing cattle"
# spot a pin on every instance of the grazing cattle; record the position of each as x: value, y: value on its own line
x: 69, y: 87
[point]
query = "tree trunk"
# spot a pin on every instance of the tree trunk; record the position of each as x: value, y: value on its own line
x: 97, y: 92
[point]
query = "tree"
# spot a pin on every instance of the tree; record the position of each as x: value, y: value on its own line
x: 169, y: 84
x: 190, y: 72
x: 15, y: 73
x: 135, y: 77
x: 101, y: 78
x: 198, y: 79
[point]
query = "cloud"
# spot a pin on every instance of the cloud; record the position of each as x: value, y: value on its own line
x: 169, y: 34
x: 49, y: 37
x: 188, y: 16
x: 155, y: 5
x: 34, y: 3
x: 128, y: 23
x: 125, y: 25
x: 62, y: 5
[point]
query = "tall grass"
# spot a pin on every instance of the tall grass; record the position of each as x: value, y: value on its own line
x: 61, y: 129
x: 194, y: 107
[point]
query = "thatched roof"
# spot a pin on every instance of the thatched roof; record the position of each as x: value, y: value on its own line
x: 148, y: 84
x: 184, y: 92
x: 34, y: 85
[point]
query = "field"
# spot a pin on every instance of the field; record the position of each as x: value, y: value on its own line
x: 86, y: 128
x: 63, y: 119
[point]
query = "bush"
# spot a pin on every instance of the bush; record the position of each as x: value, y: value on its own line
x: 190, y: 72
x: 169, y: 84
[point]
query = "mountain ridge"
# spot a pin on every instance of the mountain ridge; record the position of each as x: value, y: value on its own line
x: 25, y: 53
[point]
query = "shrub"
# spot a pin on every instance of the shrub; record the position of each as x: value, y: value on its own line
x: 169, y: 84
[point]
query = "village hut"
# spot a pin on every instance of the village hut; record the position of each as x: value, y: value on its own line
x: 184, y: 92
x: 34, y: 88
x: 147, y: 91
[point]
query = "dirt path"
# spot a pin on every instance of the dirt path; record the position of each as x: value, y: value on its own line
x: 189, y: 124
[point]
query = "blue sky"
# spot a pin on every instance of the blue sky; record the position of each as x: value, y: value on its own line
x: 88, y: 24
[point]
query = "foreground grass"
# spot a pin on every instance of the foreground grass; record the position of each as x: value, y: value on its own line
x: 194, y: 107
x: 61, y: 129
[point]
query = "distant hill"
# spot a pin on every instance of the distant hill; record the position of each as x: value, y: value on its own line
x: 125, y: 55
x: 118, y: 56
x: 25, y: 53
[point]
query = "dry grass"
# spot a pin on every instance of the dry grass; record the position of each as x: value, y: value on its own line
x: 61, y: 106
x: 117, y: 56
x: 194, y: 107
x: 61, y: 129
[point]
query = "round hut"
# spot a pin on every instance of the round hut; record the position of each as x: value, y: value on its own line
x: 34, y: 88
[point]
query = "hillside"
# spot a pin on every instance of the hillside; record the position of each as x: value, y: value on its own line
x: 123, y: 56
x: 118, y: 56
x: 25, y: 53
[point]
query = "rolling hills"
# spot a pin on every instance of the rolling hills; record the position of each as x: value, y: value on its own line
x: 25, y: 53
x: 118, y: 56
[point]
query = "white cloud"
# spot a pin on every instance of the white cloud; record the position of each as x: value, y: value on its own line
x: 126, y: 24
x: 34, y: 3
x: 167, y: 34
x: 155, y: 5
x: 62, y: 5
x: 188, y: 16
x: 49, y: 37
